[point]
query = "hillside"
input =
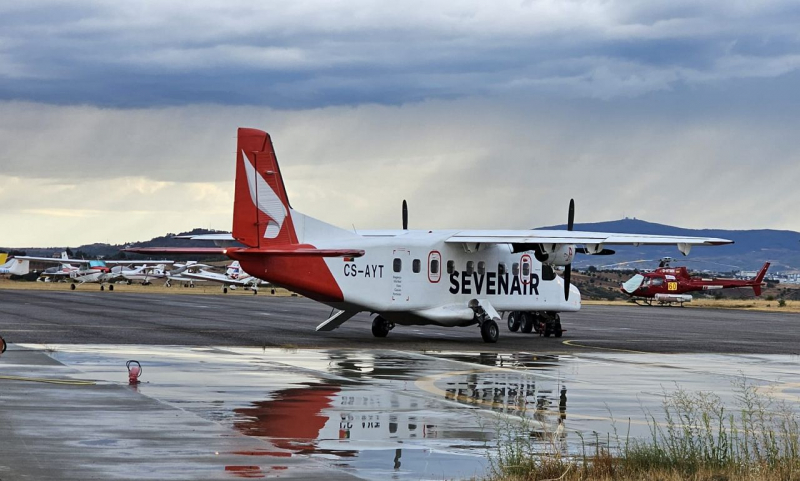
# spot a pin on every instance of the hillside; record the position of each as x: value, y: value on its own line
x: 750, y: 250
x: 112, y: 251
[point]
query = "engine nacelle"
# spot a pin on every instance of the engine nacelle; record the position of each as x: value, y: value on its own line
x: 555, y: 254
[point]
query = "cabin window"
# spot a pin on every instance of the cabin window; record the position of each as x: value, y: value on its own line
x: 416, y: 266
x: 501, y: 269
x: 481, y: 268
x: 657, y: 281
x: 451, y: 266
x: 470, y: 267
x: 397, y: 265
x: 526, y: 269
x: 515, y: 268
x: 434, y: 266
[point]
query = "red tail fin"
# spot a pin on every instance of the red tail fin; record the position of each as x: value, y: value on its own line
x: 759, y: 279
x: 261, y: 212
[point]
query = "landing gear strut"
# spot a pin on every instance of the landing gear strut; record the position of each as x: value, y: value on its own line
x: 381, y: 327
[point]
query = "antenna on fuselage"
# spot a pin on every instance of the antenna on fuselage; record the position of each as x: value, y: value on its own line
x: 405, y: 215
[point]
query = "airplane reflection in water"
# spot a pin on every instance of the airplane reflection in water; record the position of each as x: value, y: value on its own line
x: 346, y: 419
x: 315, y: 418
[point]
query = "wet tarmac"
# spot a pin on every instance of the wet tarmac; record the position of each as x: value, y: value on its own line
x: 89, y: 317
x: 238, y: 412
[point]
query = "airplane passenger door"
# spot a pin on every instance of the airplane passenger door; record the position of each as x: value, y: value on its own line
x: 434, y: 267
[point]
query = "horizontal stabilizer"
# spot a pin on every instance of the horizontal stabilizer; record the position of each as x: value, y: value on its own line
x: 290, y: 250
x: 177, y: 250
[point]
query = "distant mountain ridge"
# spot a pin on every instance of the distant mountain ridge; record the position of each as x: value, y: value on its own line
x: 108, y: 251
x: 750, y: 250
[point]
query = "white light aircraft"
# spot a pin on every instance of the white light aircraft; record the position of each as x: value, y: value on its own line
x: 145, y: 274
x: 407, y: 277
x: 234, y: 277
x: 58, y: 273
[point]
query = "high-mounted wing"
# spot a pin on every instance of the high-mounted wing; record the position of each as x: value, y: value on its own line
x: 54, y: 260
x: 577, y: 237
x: 594, y: 241
x: 290, y: 250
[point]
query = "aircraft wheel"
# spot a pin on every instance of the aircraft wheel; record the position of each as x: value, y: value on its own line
x: 110, y: 288
x: 224, y: 290
x: 102, y: 288
x: 2, y: 345
x: 558, y: 331
x: 129, y: 282
x: 191, y: 285
x: 380, y: 327
x: 255, y: 292
x: 526, y: 322
x: 489, y: 331
x: 548, y: 329
x: 513, y: 321
x: 72, y: 286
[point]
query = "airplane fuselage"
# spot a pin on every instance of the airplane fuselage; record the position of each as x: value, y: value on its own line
x: 418, y: 278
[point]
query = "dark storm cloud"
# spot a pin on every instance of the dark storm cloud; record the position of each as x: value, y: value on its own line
x: 310, y: 54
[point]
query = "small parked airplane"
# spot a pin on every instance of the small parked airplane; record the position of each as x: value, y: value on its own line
x: 406, y: 277
x: 234, y: 277
x: 144, y: 274
x: 175, y: 275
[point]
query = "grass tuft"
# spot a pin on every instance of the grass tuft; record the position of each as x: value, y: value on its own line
x: 700, y: 439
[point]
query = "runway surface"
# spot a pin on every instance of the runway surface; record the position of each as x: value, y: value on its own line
x: 89, y: 317
x: 243, y: 387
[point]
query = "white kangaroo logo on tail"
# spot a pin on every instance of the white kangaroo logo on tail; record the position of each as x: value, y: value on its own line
x: 265, y: 199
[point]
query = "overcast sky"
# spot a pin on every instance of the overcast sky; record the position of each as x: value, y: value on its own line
x: 118, y: 119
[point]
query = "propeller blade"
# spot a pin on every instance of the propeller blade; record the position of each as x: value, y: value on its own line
x: 568, y: 267
x: 405, y: 215
x: 571, y: 214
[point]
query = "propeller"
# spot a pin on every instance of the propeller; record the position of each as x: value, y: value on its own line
x: 568, y: 267
x: 405, y: 215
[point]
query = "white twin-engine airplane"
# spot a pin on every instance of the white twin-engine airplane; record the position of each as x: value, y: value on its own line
x: 406, y: 277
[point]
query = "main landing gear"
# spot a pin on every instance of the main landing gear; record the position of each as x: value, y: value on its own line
x: 542, y: 323
x: 381, y: 327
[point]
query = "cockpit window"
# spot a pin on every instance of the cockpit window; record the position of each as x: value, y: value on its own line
x: 633, y: 283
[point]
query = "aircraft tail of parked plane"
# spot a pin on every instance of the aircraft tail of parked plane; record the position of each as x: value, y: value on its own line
x: 262, y: 215
x: 18, y: 267
x: 3, y: 258
x: 759, y: 279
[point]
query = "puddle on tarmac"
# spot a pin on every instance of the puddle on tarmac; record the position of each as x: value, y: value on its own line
x: 394, y: 415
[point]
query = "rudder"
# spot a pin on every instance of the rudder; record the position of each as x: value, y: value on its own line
x: 759, y: 279
x: 261, y: 211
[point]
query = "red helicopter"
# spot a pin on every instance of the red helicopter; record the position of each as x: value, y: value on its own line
x: 669, y: 285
